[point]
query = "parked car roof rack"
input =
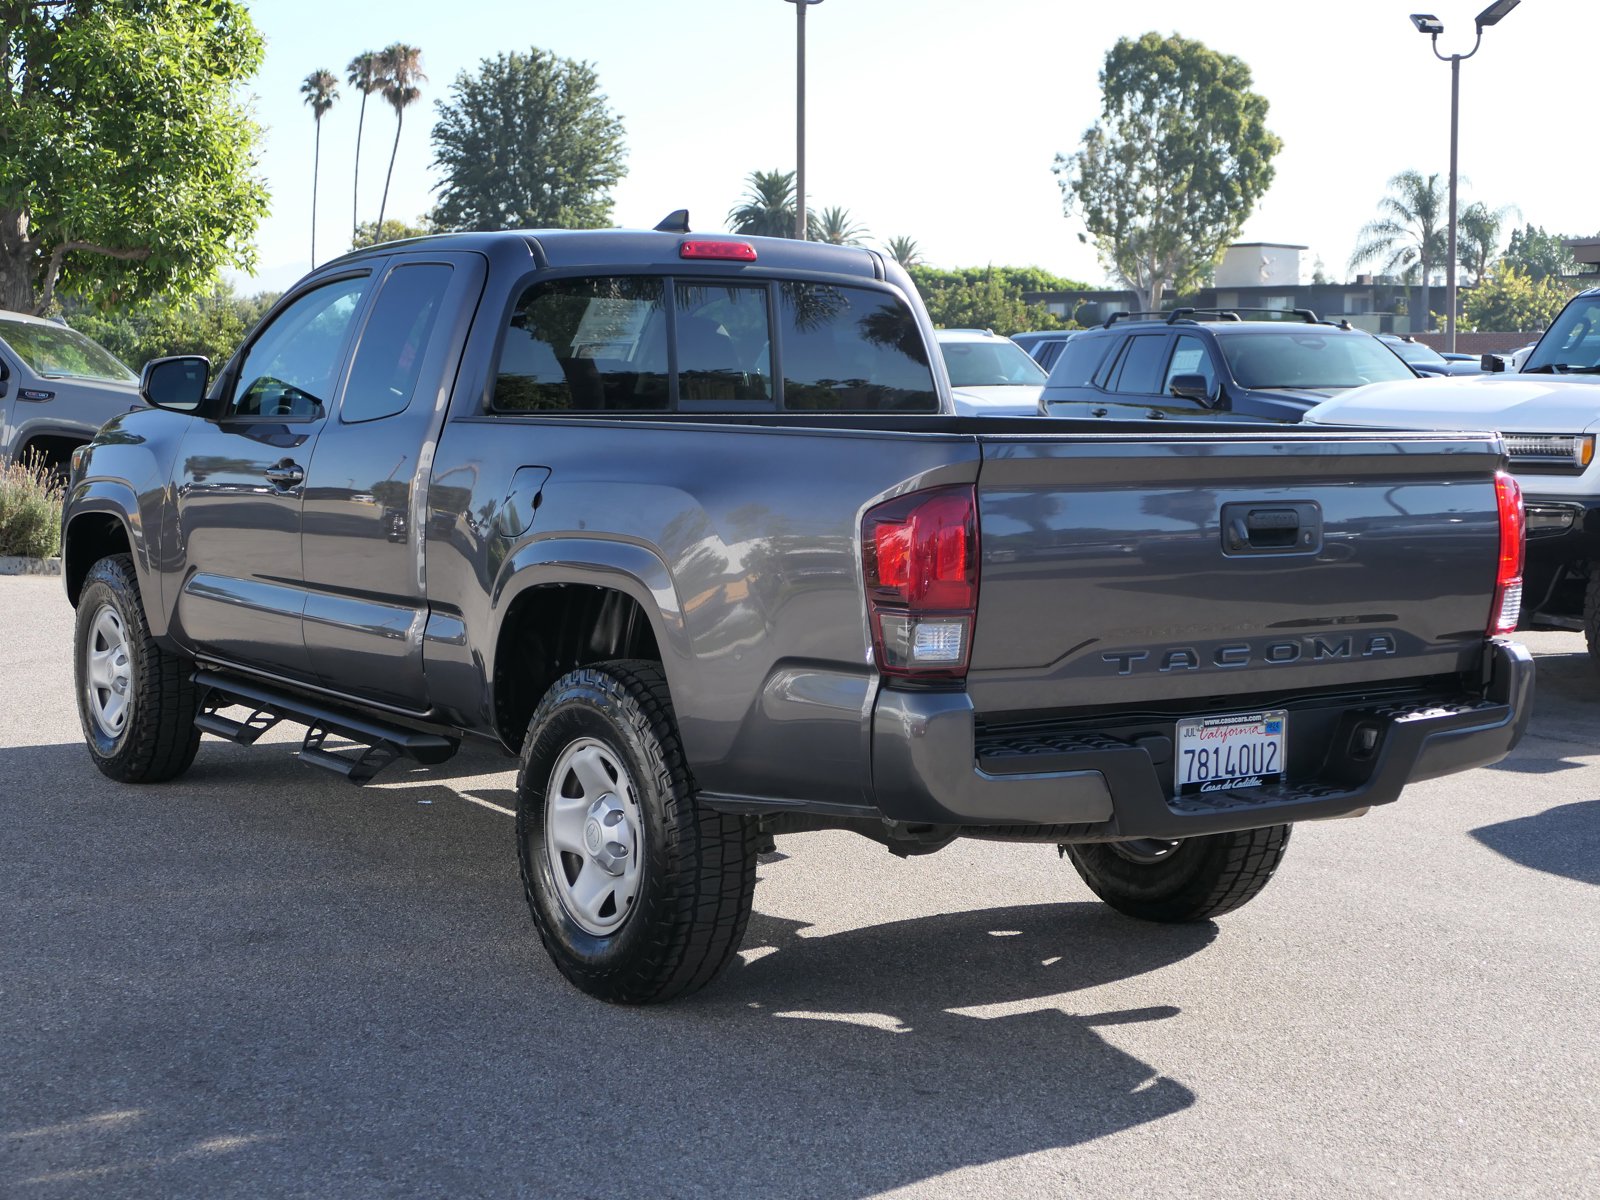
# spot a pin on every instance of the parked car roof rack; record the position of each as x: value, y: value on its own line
x: 1130, y: 316
x: 1232, y: 314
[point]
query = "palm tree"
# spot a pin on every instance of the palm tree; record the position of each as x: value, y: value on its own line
x: 1409, y: 238
x: 321, y: 89
x: 834, y: 226
x: 904, y: 251
x: 365, y: 73
x: 769, y: 204
x: 1478, y: 237
x: 402, y: 69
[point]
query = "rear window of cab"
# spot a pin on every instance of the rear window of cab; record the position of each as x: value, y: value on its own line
x: 647, y: 344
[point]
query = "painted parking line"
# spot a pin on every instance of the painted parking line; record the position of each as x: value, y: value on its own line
x: 499, y: 808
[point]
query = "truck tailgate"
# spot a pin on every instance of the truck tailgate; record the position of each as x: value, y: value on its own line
x: 1121, y: 572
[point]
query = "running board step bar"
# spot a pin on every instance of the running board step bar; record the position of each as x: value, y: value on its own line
x: 382, y: 743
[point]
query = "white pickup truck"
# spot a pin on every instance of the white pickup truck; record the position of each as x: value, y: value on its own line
x: 1549, y: 415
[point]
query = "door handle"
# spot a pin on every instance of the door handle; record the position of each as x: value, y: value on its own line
x: 286, y: 474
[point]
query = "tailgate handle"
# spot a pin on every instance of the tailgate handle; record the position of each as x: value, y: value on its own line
x: 1254, y: 528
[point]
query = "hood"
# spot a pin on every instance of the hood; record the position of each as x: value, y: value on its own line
x: 1000, y: 400
x: 1504, y: 403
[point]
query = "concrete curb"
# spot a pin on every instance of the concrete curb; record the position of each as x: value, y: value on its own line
x: 10, y: 565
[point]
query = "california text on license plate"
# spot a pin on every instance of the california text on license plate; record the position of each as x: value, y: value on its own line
x: 1243, y: 750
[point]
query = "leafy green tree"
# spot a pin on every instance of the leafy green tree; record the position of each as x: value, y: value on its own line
x: 1508, y: 300
x: 126, y: 154
x: 836, y: 227
x: 212, y: 325
x: 768, y: 206
x: 985, y: 300
x: 321, y: 89
x: 1167, y: 176
x: 402, y: 72
x: 365, y: 74
x: 1410, y: 239
x: 904, y: 251
x: 527, y: 142
x: 1539, y: 255
x: 368, y: 233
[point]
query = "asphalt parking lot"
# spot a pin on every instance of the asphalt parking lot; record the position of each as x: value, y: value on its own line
x: 261, y: 981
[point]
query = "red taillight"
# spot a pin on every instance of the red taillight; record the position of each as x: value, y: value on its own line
x: 920, y: 561
x: 1508, y: 578
x: 707, y: 248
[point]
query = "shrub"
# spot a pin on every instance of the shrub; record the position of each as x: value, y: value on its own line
x: 30, y: 511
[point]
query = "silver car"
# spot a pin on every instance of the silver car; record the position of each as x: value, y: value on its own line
x: 56, y: 389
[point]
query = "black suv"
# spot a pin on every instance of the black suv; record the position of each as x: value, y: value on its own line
x: 1193, y: 362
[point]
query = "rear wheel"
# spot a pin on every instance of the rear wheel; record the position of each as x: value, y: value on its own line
x: 1194, y: 879
x: 135, y: 700
x: 638, y: 893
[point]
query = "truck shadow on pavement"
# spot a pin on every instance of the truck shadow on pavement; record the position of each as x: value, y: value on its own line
x: 1564, y: 840
x: 275, y: 983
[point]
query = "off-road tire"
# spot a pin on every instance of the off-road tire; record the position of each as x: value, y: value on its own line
x: 1591, y: 617
x: 158, y: 739
x: 1202, y: 877
x: 698, y: 867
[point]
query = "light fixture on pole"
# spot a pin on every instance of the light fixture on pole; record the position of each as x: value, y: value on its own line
x: 1429, y: 24
x: 800, y: 116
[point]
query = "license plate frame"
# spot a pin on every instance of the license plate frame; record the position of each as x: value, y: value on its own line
x: 1209, y: 752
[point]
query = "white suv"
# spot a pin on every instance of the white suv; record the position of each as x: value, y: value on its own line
x: 990, y: 375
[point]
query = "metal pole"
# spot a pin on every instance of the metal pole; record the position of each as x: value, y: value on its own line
x: 800, y: 120
x: 1450, y: 265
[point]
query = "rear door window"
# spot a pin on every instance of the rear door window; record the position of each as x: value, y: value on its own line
x: 1141, y: 364
x: 1078, y: 360
x: 389, y: 358
x: 586, y: 345
x: 847, y: 349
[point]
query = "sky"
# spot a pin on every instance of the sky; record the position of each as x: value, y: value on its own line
x: 941, y: 119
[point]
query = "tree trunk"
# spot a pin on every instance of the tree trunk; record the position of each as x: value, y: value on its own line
x: 16, y: 262
x: 399, y: 122
x: 355, y: 200
x: 316, y: 169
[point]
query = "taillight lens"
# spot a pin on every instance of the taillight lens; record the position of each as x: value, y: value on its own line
x: 1508, y: 578
x: 920, y: 561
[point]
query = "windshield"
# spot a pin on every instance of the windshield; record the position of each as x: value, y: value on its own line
x: 1573, y: 342
x: 990, y: 364
x: 1416, y: 352
x: 58, y: 352
x: 1310, y: 360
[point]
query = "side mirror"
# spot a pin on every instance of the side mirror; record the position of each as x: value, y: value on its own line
x: 1493, y: 364
x: 1191, y: 387
x: 175, y: 383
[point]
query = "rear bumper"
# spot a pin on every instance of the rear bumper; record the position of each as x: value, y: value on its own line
x: 929, y: 765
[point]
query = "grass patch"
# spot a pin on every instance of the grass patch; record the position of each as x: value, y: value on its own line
x: 30, y: 511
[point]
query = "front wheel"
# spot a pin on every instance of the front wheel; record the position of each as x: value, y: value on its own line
x: 136, y: 701
x: 1591, y: 617
x: 639, y: 894
x: 1190, y: 880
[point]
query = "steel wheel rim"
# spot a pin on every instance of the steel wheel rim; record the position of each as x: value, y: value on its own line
x: 1146, y: 851
x: 108, y: 672
x: 592, y: 836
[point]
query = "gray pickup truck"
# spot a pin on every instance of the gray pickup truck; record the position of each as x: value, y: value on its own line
x: 688, y: 524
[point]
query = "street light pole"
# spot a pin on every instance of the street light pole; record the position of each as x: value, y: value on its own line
x: 800, y: 7
x: 1429, y: 24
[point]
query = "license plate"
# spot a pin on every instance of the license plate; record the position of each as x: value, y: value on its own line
x: 1244, y: 750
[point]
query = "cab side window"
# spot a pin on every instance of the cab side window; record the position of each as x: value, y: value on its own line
x: 388, y: 361
x: 291, y: 370
x: 595, y: 344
